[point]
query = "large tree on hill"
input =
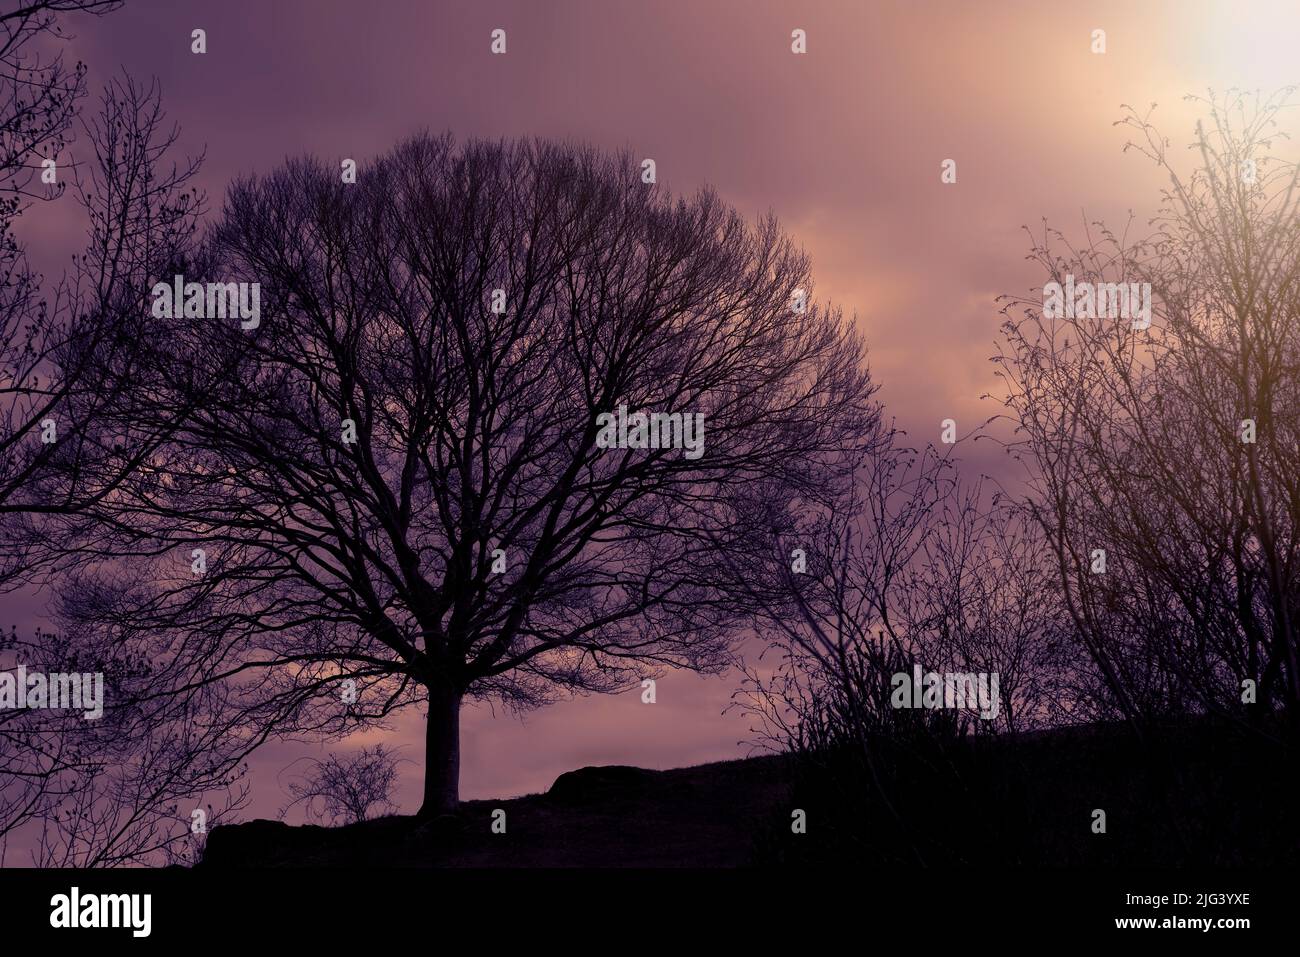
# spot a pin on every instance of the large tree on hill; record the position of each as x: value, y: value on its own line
x: 398, y: 478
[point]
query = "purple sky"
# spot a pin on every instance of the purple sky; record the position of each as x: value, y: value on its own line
x: 844, y: 144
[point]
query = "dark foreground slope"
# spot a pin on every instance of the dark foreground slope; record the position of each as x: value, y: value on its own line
x: 705, y: 816
x: 1190, y: 794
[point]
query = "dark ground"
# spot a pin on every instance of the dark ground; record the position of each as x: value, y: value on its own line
x: 703, y: 816
x: 1194, y: 793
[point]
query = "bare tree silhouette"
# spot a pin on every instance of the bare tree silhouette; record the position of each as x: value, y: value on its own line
x: 120, y: 789
x: 45, y: 758
x: 1172, y: 449
x: 908, y: 567
x: 346, y: 788
x: 39, y: 103
x: 396, y: 478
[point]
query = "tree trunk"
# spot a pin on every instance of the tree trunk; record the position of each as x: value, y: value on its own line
x: 442, y: 752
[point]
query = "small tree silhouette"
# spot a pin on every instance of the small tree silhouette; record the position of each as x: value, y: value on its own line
x: 346, y: 789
